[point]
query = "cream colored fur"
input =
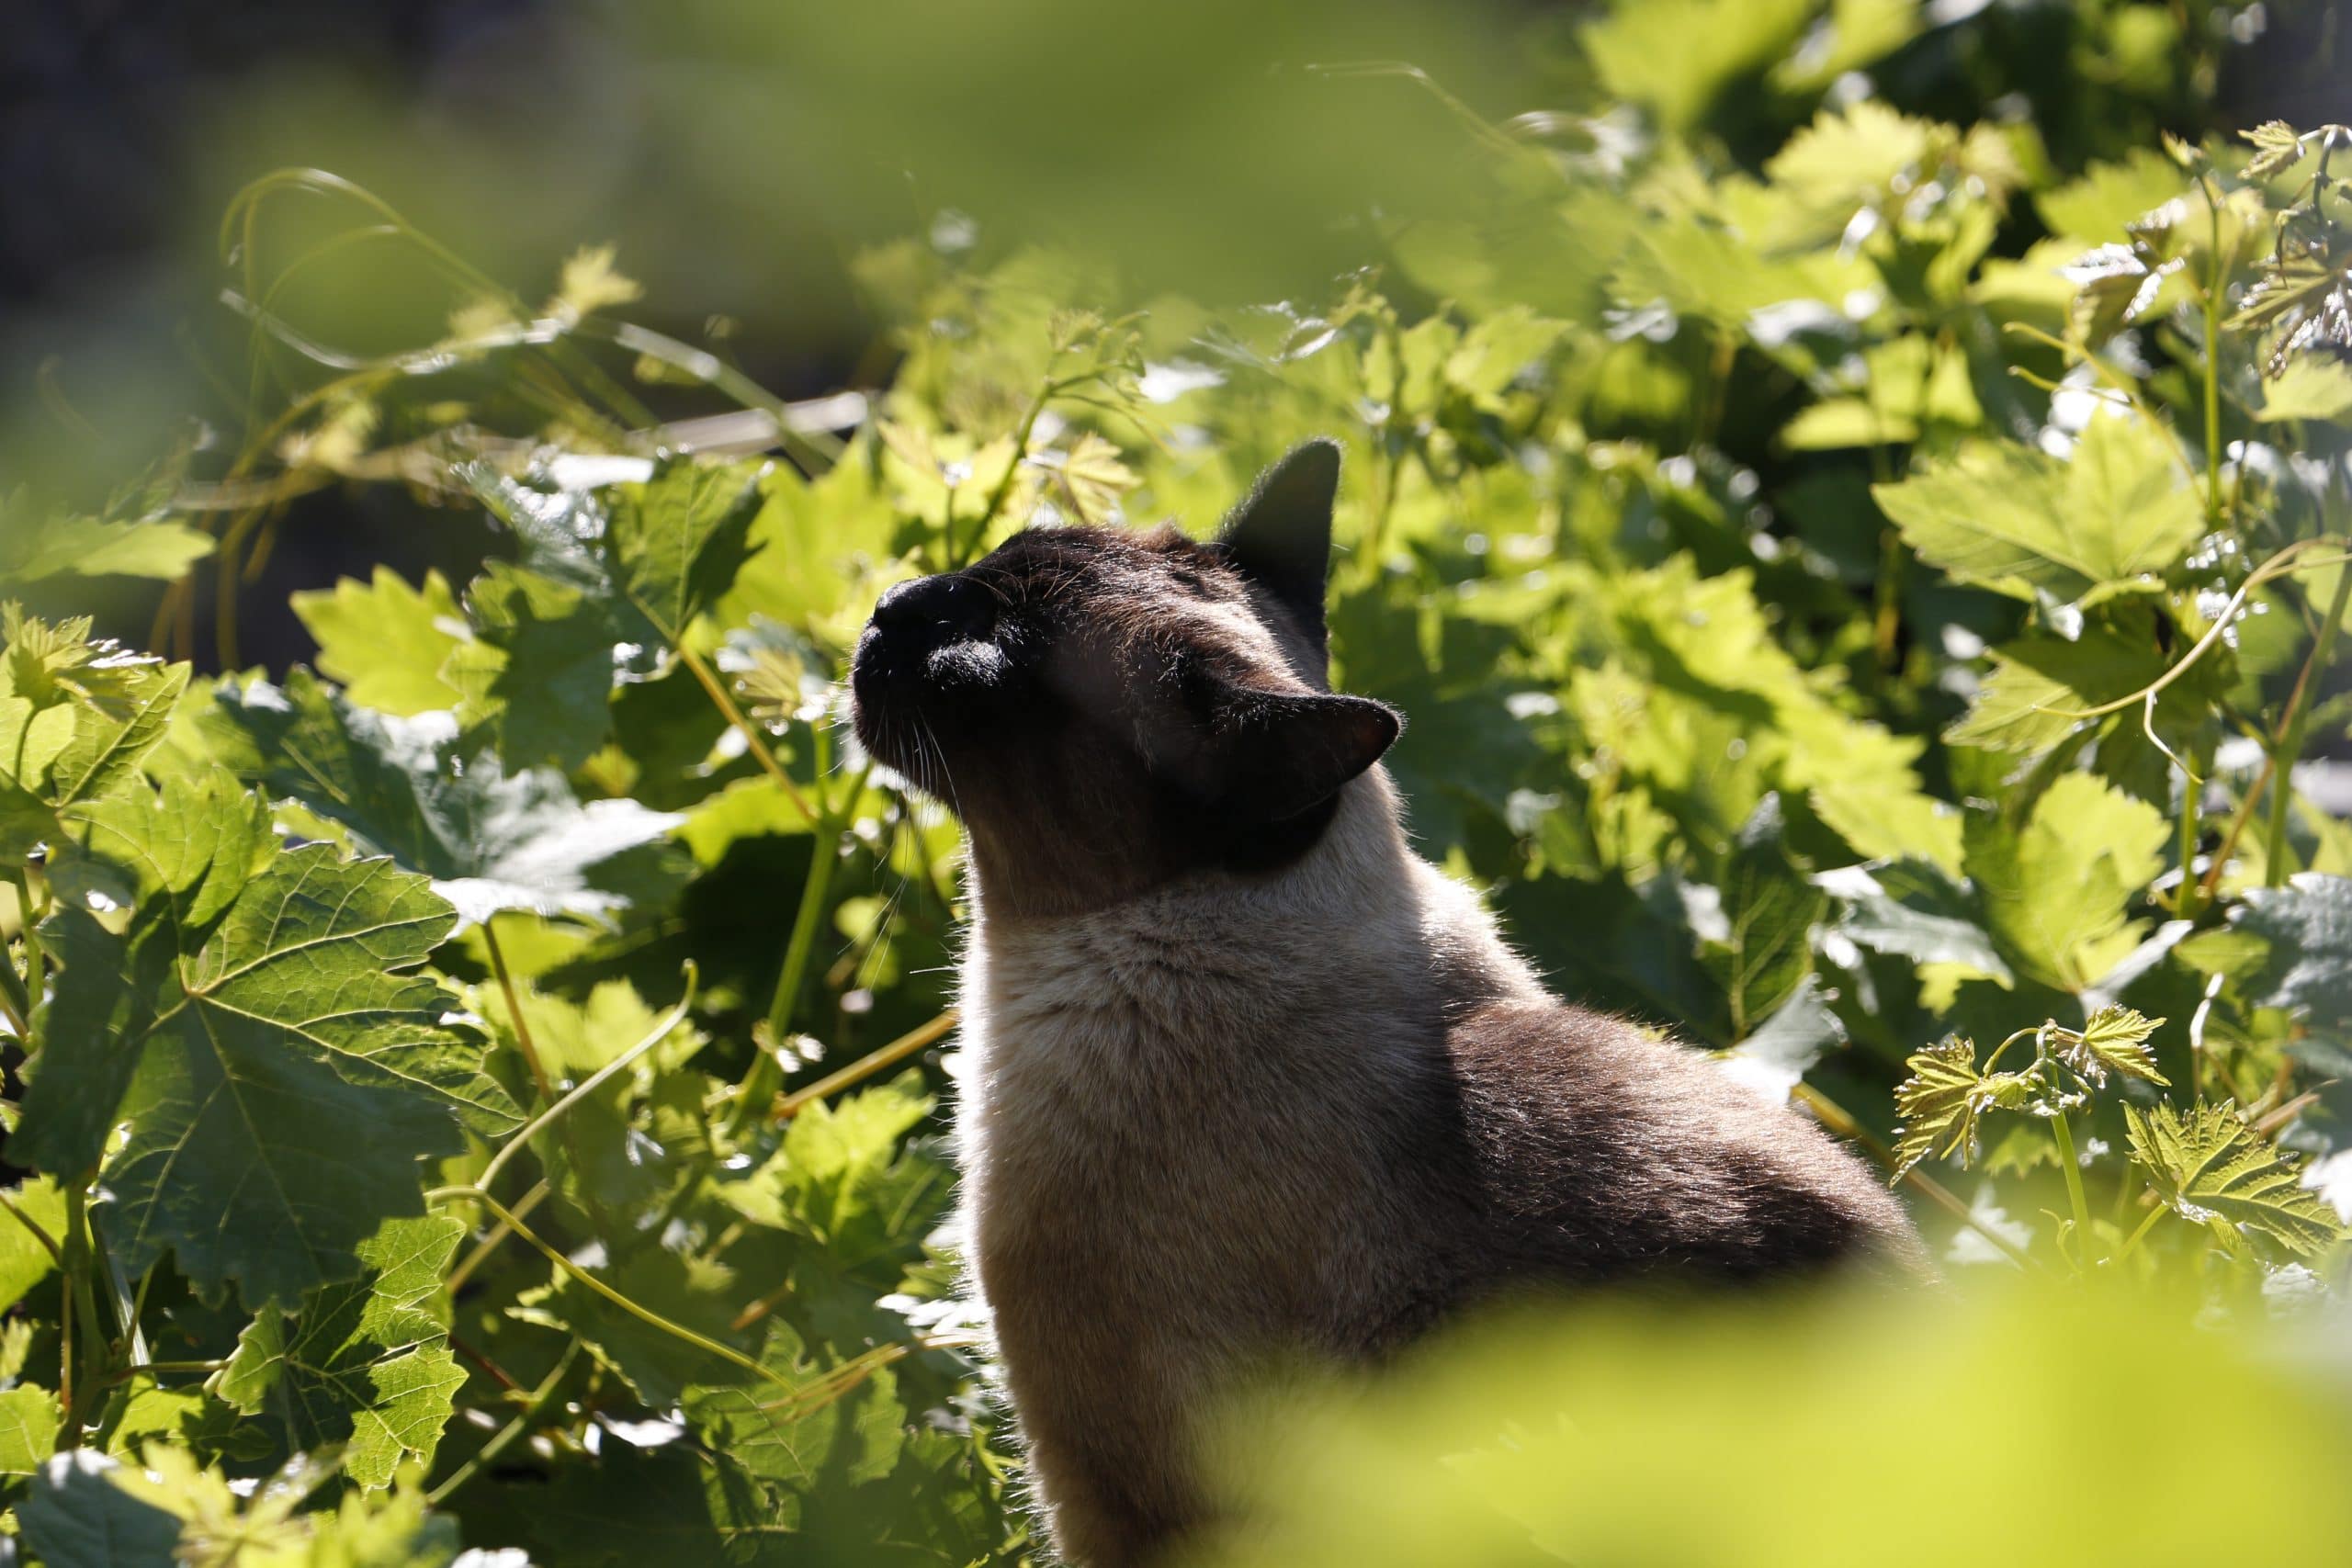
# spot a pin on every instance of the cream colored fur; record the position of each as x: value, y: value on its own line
x: 1147, y: 1207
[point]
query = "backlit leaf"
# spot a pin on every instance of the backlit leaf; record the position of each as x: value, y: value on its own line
x: 2211, y: 1169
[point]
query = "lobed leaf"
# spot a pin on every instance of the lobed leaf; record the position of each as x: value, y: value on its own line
x: 2211, y: 1169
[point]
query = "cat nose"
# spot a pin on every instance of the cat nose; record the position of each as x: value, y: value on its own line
x: 951, y: 605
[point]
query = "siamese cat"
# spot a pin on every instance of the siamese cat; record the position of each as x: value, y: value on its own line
x: 1248, y: 1080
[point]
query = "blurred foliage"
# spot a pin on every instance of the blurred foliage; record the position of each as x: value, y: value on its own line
x: 1852, y: 499
x: 1811, y: 1432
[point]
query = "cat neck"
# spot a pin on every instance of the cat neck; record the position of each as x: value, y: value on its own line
x: 1357, y: 921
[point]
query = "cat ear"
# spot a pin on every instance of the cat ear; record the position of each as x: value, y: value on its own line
x: 1265, y: 756
x: 1280, y: 536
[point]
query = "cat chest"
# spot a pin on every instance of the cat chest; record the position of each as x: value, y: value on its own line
x: 1104, y: 1169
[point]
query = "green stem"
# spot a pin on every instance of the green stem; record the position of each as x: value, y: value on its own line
x: 645, y: 1316
x: 515, y: 1014
x: 824, y: 853
x: 79, y: 1365
x: 29, y: 918
x: 2132, y: 1243
x: 2192, y: 790
x: 525, y: 1419
x: 14, y: 1005
x: 1046, y: 391
x: 587, y: 1086
x: 753, y: 738
x: 2074, y: 1170
x: 2213, y: 283
x: 2290, y: 737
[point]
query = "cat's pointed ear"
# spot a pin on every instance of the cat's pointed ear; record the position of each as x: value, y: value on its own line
x: 1280, y: 536
x: 1267, y: 756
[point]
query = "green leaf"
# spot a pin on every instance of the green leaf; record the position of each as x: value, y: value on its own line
x: 1939, y: 1104
x: 2276, y: 149
x: 2023, y: 523
x: 792, y: 1443
x: 1676, y: 56
x: 2114, y: 1039
x: 2040, y: 681
x: 24, y: 1262
x: 538, y: 678
x: 2110, y: 196
x: 677, y: 540
x: 2211, y: 1169
x: 177, y: 861
x: 77, y: 1517
x: 29, y: 1422
x: 77, y: 719
x: 387, y: 642
x: 2313, y: 386
x: 2304, y: 963
x: 1768, y: 910
x: 1775, y: 1058
x: 2059, y: 893
x: 1913, y: 910
x: 283, y: 1076
x: 34, y: 548
x: 405, y: 788
x: 842, y: 1175
x: 366, y: 1363
x: 1942, y: 1101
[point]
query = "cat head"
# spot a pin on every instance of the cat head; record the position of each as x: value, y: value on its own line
x: 1109, y: 708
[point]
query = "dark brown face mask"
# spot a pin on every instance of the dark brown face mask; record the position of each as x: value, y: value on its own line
x: 1106, y: 709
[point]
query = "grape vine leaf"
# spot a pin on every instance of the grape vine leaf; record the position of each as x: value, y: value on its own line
x: 1913, y: 909
x: 537, y: 677
x: 387, y: 642
x: 1763, y: 952
x: 1775, y: 1058
x: 36, y: 545
x: 2039, y: 683
x: 851, y: 1436
x: 280, y: 1073
x: 489, y: 840
x: 1942, y: 1099
x: 29, y: 1422
x: 2211, y: 1168
x: 77, y: 718
x: 2023, y: 523
x: 76, y: 1517
x: 2059, y: 892
x: 24, y: 1260
x: 2305, y: 962
x: 2113, y: 1040
x: 365, y: 1362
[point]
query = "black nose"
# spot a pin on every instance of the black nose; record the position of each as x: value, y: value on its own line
x: 951, y: 606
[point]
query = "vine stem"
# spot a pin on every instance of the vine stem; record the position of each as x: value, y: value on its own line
x: 29, y: 918
x: 814, y: 892
x: 503, y: 1438
x: 489, y: 1244
x: 762, y: 752
x: 2073, y: 1168
x: 644, y: 1314
x: 587, y: 1086
x: 2215, y: 282
x: 2291, y: 731
x: 2131, y: 1242
x: 2278, y: 565
x: 1839, y: 1119
x: 865, y: 1066
x: 514, y: 1008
